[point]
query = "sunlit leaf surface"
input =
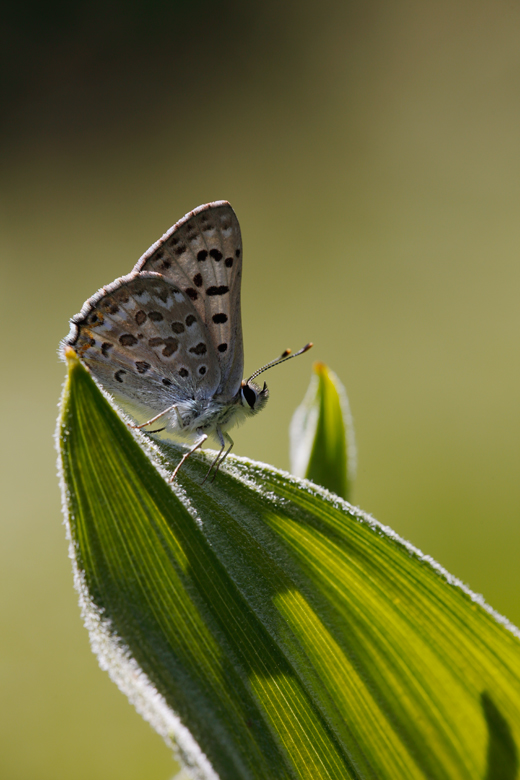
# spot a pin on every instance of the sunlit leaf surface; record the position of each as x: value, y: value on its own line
x: 273, y: 626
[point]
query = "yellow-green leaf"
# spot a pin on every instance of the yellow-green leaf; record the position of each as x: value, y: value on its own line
x: 269, y: 630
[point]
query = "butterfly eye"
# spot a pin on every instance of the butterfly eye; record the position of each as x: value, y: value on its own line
x: 249, y: 395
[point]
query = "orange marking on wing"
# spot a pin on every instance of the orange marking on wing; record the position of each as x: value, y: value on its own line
x: 100, y: 320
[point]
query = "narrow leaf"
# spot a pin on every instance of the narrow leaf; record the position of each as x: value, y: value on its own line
x: 269, y: 630
x: 322, y: 435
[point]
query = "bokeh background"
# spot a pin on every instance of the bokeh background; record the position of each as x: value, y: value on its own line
x: 372, y: 153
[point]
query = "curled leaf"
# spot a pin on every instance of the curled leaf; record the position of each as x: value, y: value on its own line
x: 322, y: 435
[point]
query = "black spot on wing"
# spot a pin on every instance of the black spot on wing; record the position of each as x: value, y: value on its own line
x: 200, y: 349
x: 219, y: 318
x: 171, y: 346
x: 221, y: 290
x: 127, y: 340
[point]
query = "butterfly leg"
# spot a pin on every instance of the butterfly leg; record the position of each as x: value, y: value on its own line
x: 200, y: 441
x: 223, y: 438
x: 223, y: 458
x: 153, y: 419
x: 222, y: 445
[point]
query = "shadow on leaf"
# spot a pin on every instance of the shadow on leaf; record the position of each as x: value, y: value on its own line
x: 502, y: 754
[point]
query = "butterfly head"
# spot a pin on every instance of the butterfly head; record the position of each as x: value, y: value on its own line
x: 253, y: 397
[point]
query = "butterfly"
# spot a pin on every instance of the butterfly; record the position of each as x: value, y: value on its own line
x: 167, y: 338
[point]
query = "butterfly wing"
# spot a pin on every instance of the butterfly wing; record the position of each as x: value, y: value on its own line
x: 143, y: 340
x: 202, y: 256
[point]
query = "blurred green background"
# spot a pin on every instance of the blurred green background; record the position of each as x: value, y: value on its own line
x: 371, y: 151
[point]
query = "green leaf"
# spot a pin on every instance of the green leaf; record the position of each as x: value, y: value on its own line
x: 322, y: 435
x: 267, y: 622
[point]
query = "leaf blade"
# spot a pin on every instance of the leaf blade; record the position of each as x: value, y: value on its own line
x: 294, y: 636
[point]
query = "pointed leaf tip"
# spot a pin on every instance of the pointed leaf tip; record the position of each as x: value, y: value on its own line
x: 322, y: 434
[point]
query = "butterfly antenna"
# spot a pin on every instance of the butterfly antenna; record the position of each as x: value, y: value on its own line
x: 287, y: 355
